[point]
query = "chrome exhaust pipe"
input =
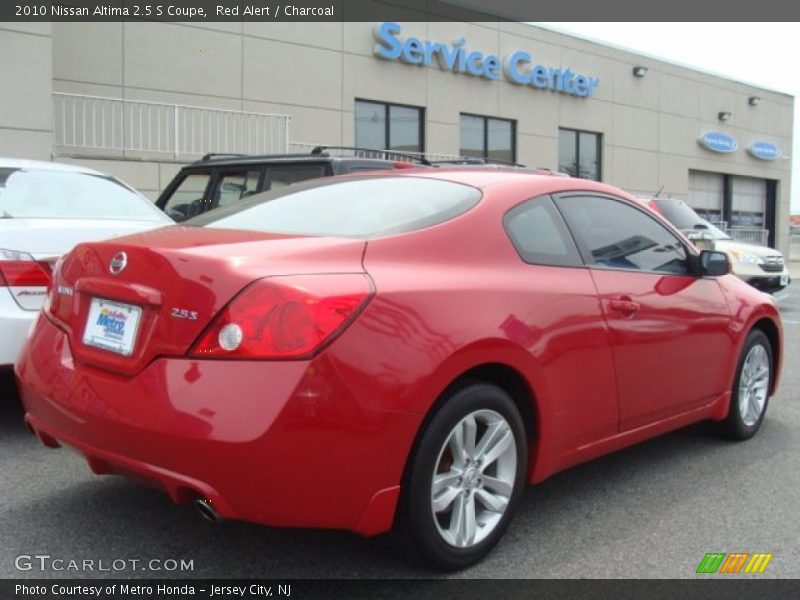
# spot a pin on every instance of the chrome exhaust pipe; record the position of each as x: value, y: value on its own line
x: 206, y: 510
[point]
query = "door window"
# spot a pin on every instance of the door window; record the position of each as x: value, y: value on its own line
x: 188, y: 198
x: 618, y: 236
x: 235, y: 186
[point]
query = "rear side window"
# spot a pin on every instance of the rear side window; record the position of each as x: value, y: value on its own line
x: 281, y: 176
x: 678, y: 213
x: 683, y: 216
x: 360, y: 208
x: 538, y: 233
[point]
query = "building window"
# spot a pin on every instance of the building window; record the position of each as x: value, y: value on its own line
x: 579, y: 153
x: 389, y: 126
x: 487, y: 137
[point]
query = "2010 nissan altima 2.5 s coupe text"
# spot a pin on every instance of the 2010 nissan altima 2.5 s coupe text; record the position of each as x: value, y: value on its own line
x: 393, y: 351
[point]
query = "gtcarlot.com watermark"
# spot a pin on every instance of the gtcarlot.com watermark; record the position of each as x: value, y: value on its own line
x: 46, y: 562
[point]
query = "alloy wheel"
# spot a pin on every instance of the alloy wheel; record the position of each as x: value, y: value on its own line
x: 753, y: 385
x: 474, y: 478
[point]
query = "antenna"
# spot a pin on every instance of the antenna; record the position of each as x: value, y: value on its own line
x: 658, y: 193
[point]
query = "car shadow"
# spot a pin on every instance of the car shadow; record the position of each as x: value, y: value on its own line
x: 11, y: 413
x: 83, y: 516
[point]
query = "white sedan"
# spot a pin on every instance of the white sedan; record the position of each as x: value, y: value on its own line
x: 45, y: 209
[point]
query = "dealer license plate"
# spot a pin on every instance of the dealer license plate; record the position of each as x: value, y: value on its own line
x: 112, y: 326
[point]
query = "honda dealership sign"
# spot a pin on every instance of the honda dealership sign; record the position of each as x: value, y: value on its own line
x: 764, y: 150
x: 717, y: 141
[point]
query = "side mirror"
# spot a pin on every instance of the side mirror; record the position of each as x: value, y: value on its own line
x: 714, y: 263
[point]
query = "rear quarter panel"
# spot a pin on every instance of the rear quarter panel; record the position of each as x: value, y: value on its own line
x: 456, y: 296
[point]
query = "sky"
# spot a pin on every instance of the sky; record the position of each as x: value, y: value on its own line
x: 763, y: 54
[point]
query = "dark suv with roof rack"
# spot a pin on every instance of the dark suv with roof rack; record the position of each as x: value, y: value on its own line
x: 220, y: 179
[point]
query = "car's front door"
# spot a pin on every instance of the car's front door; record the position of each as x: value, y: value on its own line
x: 561, y: 323
x: 669, y: 328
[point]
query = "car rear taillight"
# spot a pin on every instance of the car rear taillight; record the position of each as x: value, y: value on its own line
x: 286, y: 317
x: 401, y: 164
x: 18, y: 269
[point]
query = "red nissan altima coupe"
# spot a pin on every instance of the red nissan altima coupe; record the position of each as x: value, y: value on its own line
x: 393, y: 351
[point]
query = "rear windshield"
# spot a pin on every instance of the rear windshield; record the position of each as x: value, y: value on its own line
x: 45, y: 194
x: 359, y: 208
x: 683, y: 217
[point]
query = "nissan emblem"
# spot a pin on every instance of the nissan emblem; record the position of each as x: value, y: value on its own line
x: 118, y: 263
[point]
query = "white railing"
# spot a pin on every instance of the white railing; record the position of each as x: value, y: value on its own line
x: 750, y: 235
x: 136, y: 128
x: 794, y: 246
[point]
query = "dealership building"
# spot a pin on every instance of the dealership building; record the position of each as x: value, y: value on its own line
x: 139, y: 99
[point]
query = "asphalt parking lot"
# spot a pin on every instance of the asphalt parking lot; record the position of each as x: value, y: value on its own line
x: 650, y: 511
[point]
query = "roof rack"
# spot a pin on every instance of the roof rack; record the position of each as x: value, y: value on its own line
x: 380, y: 154
x: 476, y: 160
x: 252, y: 157
x: 221, y: 155
x: 387, y: 154
x: 549, y: 171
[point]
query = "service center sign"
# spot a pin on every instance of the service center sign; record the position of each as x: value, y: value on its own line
x: 518, y: 67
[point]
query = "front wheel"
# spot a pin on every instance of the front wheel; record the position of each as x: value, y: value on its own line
x: 751, y: 387
x: 465, y: 478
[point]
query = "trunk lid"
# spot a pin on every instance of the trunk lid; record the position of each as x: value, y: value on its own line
x: 176, y: 280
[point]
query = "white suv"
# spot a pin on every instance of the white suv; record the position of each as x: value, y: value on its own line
x: 761, y: 266
x: 45, y: 209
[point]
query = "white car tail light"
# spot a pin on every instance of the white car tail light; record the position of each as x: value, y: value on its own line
x: 26, y: 278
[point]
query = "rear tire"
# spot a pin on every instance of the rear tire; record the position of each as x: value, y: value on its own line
x: 464, y: 480
x: 751, y: 387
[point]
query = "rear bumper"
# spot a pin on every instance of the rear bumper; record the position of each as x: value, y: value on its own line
x: 276, y: 443
x: 14, y: 326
